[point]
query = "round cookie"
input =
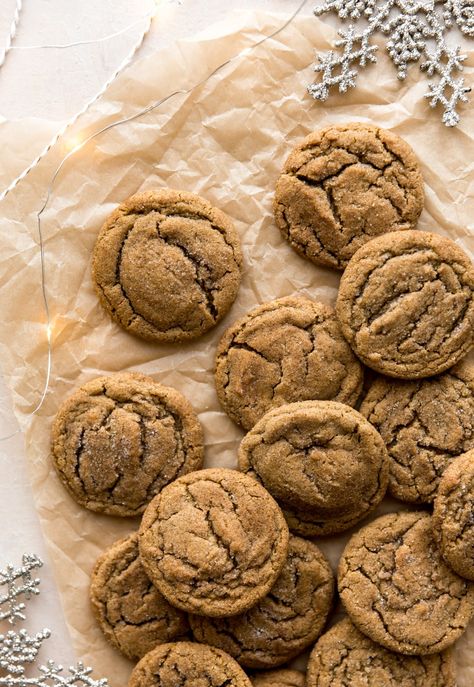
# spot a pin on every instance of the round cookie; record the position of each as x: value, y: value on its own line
x: 214, y: 542
x: 187, y: 665
x: 453, y: 515
x: 344, y: 185
x: 133, y: 615
x: 322, y: 461
x: 285, y: 621
x: 424, y: 424
x: 344, y: 657
x: 279, y: 678
x: 118, y: 440
x: 167, y: 265
x: 406, y: 304
x: 398, y: 591
x: 288, y: 350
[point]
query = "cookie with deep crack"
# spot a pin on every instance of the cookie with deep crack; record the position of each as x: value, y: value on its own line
x: 133, y: 615
x: 167, y: 265
x: 344, y: 185
x: 283, y: 677
x: 214, y: 542
x: 322, y: 461
x: 288, y: 350
x: 284, y: 622
x: 397, y: 589
x: 453, y: 515
x: 425, y: 424
x: 187, y: 665
x: 118, y: 440
x: 344, y: 657
x: 406, y: 304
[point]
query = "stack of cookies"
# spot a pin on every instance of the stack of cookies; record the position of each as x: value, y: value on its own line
x: 339, y: 406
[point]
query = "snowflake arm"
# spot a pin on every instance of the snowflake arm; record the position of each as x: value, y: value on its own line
x: 51, y: 675
x: 337, y: 69
x: 10, y: 609
x: 461, y: 13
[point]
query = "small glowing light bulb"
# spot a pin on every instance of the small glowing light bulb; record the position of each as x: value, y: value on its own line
x: 73, y: 144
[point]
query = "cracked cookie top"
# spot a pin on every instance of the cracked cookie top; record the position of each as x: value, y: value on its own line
x: 397, y: 589
x: 288, y: 350
x: 185, y: 664
x: 133, y: 615
x: 214, y: 542
x: 279, y: 678
x: 344, y: 657
x: 285, y: 621
x: 344, y: 185
x: 406, y: 304
x: 322, y: 461
x: 425, y: 424
x: 118, y: 440
x: 167, y: 265
x: 453, y: 515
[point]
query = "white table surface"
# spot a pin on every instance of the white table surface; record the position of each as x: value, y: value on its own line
x: 53, y: 84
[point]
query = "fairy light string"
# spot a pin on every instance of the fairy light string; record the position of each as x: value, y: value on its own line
x: 89, y: 41
x: 81, y: 144
x: 59, y: 134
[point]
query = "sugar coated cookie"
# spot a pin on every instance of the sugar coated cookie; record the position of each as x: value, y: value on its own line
x: 118, y: 440
x: 344, y: 185
x: 167, y: 265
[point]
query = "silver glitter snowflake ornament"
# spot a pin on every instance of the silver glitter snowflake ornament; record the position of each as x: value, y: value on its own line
x: 10, y: 609
x: 18, y: 650
x: 416, y: 31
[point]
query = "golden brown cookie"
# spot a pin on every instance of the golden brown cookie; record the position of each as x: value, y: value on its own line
x: 288, y: 350
x: 406, y: 304
x: 342, y: 186
x: 184, y: 664
x: 118, y: 440
x: 322, y: 461
x: 425, y: 424
x: 213, y: 542
x: 167, y: 265
x: 285, y: 621
x: 133, y: 615
x: 344, y: 657
x: 279, y: 678
x: 397, y: 589
x: 453, y: 515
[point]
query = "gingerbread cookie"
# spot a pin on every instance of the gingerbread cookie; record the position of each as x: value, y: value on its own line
x: 167, y: 265
x: 118, y: 440
x: 279, y: 678
x: 398, y: 591
x: 214, y: 542
x: 344, y: 657
x: 453, y: 515
x: 322, y: 461
x: 406, y: 304
x: 288, y: 350
x: 425, y: 424
x: 185, y: 664
x: 131, y: 612
x: 344, y: 185
x: 285, y: 621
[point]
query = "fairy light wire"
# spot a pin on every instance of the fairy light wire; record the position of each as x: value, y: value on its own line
x: 99, y: 132
x: 90, y: 41
x: 12, y: 31
x: 123, y: 65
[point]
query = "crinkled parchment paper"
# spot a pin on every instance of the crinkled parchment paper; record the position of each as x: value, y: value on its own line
x: 227, y: 141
